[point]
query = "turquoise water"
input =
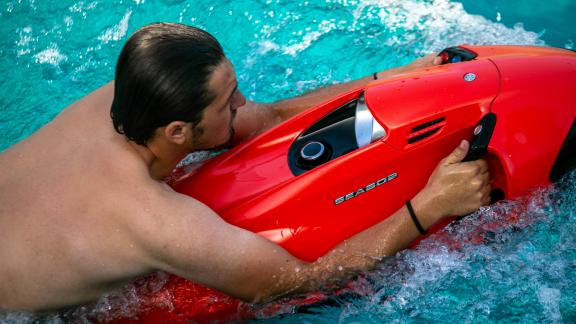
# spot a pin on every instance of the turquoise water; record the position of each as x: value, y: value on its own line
x: 521, y: 273
x: 553, y: 20
x: 52, y: 53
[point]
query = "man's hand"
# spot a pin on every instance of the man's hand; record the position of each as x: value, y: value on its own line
x: 426, y: 61
x: 457, y: 188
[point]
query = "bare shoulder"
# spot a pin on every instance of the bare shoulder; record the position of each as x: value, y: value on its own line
x: 173, y: 227
x: 185, y: 237
x: 102, y: 96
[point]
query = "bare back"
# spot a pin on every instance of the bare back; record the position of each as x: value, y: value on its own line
x: 65, y: 236
x: 81, y: 214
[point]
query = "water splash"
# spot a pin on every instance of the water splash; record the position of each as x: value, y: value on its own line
x: 127, y: 302
x: 50, y: 56
x: 117, y: 32
x: 359, y: 37
x: 514, y: 260
x: 373, y: 35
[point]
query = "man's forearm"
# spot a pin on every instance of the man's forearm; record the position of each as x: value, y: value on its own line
x: 255, y: 118
x: 454, y: 188
x: 290, y: 107
x: 365, y: 250
x: 293, y: 106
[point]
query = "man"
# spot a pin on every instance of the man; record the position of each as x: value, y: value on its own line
x: 84, y: 210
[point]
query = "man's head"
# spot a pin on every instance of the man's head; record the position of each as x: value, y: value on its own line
x: 176, y: 79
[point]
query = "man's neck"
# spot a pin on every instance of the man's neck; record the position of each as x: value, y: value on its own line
x: 160, y: 161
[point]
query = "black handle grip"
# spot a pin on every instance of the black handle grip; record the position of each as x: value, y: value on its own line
x: 456, y: 54
x: 481, y: 137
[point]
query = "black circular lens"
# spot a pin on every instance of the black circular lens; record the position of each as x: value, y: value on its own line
x: 313, y: 154
x: 312, y: 151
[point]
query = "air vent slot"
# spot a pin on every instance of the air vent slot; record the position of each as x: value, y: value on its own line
x: 428, y: 124
x: 426, y: 130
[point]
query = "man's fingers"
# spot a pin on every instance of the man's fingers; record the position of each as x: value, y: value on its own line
x: 437, y: 60
x: 431, y: 60
x: 482, y: 166
x: 458, y: 154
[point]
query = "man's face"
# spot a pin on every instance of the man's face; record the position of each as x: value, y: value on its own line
x: 215, y: 129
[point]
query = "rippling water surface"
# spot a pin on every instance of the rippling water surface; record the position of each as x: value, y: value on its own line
x: 54, y: 52
x: 512, y: 262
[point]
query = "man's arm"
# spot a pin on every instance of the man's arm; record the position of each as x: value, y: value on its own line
x: 254, y: 118
x: 187, y: 238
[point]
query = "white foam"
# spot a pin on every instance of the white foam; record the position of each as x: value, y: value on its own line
x: 549, y: 298
x: 68, y: 21
x: 26, y: 41
x: 323, y: 28
x: 117, y: 32
x: 266, y: 46
x: 422, y: 26
x: 50, y: 56
x: 82, y: 7
x: 442, y: 23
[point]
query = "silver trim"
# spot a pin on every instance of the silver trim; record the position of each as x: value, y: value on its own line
x: 377, y: 131
x: 314, y: 156
x: 367, y: 129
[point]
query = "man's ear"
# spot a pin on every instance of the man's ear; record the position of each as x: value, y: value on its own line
x: 177, y: 132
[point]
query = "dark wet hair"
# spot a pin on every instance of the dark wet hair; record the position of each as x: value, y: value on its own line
x: 162, y: 76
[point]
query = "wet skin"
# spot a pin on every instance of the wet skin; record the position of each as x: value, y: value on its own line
x: 84, y: 211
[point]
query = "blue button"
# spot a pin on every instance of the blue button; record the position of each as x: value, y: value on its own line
x: 456, y: 59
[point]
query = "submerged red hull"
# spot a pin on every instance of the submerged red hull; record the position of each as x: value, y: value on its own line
x: 309, y: 206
